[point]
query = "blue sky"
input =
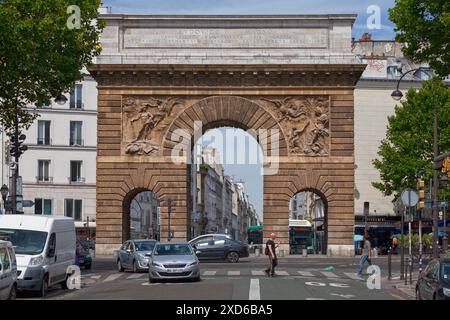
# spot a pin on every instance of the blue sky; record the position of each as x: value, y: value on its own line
x: 265, y: 7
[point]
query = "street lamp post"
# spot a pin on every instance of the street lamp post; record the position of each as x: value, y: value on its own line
x: 397, y: 95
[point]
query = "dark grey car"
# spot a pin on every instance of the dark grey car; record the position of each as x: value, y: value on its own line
x: 134, y: 255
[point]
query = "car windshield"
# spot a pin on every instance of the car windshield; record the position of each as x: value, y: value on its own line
x: 25, y: 241
x: 173, y: 250
x: 144, y: 245
x: 446, y: 272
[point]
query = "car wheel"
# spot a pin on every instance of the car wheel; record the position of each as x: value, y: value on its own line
x: 88, y: 266
x: 135, y: 267
x: 233, y: 257
x: 64, y: 283
x: 119, y: 266
x: 151, y: 280
x: 44, y: 287
x: 13, y: 293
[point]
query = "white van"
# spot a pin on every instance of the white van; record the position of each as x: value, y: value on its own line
x: 44, y: 246
x: 8, y: 271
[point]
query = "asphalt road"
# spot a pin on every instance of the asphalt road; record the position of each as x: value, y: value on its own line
x: 297, y: 279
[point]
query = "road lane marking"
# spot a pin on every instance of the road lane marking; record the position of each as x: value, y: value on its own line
x: 306, y: 273
x: 346, y: 296
x: 353, y: 276
x: 234, y: 273
x: 96, y: 277
x: 281, y: 273
x: 316, y: 284
x: 329, y: 274
x: 339, y: 285
x: 136, y: 276
x: 258, y: 273
x: 112, y: 277
x: 209, y: 273
x: 254, y: 293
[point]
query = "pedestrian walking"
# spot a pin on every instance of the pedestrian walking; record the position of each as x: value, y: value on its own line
x: 394, y: 244
x: 270, y: 251
x: 366, y: 255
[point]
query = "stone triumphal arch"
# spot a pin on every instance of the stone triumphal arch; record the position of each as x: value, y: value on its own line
x: 288, y: 78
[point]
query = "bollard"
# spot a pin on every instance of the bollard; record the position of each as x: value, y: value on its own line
x: 257, y: 252
x: 304, y: 252
x: 389, y: 265
x: 329, y: 253
x: 406, y: 274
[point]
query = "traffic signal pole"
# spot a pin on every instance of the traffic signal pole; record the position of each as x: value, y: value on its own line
x: 16, y: 166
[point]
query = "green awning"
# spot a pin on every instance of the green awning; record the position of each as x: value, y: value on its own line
x: 255, y: 228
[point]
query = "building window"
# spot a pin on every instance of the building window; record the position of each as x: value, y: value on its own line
x: 43, y: 132
x: 76, y: 133
x: 73, y: 208
x: 43, y: 206
x: 76, y: 97
x: 43, y: 171
x: 393, y: 72
x: 75, y: 171
x: 424, y: 74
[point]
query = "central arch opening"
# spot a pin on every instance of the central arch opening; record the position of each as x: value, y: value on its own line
x: 226, y: 183
x: 308, y: 223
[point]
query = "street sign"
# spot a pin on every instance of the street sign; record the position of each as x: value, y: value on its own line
x: 440, y: 204
x: 409, y: 198
x: 27, y: 203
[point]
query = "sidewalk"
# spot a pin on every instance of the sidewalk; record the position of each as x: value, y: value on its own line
x: 409, y: 290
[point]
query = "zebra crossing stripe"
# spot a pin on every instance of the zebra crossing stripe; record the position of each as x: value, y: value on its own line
x: 234, y: 273
x: 305, y: 273
x: 281, y: 273
x: 209, y: 273
x: 329, y: 274
x: 96, y: 277
x: 112, y: 277
x: 136, y: 276
x: 258, y: 273
x: 353, y: 276
x: 254, y: 293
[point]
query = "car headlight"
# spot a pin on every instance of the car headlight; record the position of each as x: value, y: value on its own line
x: 156, y: 264
x: 141, y: 256
x: 192, y: 263
x: 446, y: 292
x: 36, y: 261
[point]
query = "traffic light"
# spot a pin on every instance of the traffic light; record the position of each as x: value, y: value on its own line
x: 17, y: 148
x: 421, y: 191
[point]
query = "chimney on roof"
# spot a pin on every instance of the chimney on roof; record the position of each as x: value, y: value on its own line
x: 366, y: 37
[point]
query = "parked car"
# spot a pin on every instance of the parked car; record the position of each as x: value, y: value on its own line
x: 173, y: 261
x: 84, y: 259
x: 134, y: 255
x: 434, y: 281
x: 88, y: 244
x: 219, y: 247
x: 8, y: 271
x: 44, y: 247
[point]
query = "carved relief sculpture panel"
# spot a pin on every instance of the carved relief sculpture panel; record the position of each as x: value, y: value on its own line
x: 306, y: 121
x: 144, y: 118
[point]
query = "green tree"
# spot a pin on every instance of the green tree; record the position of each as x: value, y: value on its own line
x: 424, y: 27
x: 42, y: 52
x: 407, y: 150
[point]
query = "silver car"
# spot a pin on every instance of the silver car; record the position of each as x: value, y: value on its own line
x: 134, y: 255
x: 173, y: 260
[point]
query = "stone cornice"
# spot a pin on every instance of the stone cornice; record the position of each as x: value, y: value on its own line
x: 338, y: 75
